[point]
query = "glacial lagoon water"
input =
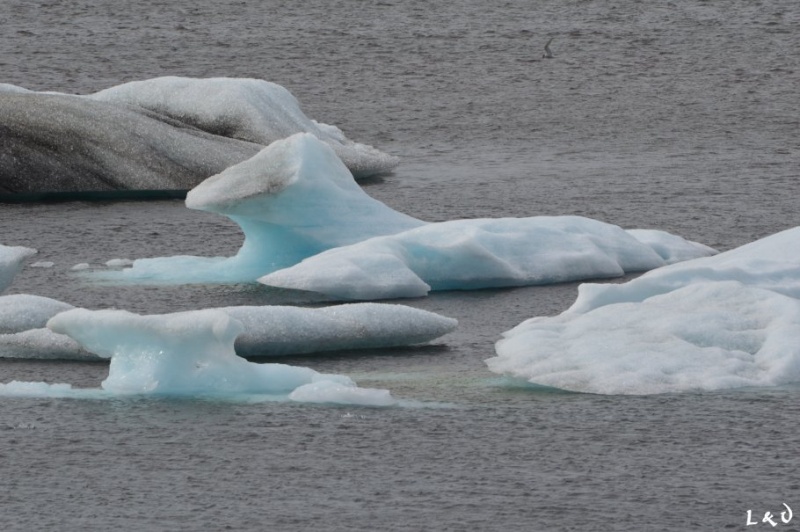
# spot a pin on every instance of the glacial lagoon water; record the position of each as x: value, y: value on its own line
x: 678, y: 116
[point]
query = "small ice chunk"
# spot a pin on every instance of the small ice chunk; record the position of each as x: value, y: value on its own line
x: 43, y: 264
x: 119, y: 263
x: 11, y: 259
x: 331, y: 391
x: 81, y: 266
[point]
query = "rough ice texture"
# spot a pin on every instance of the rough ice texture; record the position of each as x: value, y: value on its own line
x: 295, y: 200
x: 469, y: 254
x: 727, y: 321
x: 292, y: 200
x: 60, y: 143
x: 772, y: 263
x: 42, y: 344
x: 159, y: 134
x: 252, y: 110
x: 11, y: 259
x: 191, y: 354
x: 274, y: 330
x: 20, y: 312
x: 266, y: 331
x: 23, y: 334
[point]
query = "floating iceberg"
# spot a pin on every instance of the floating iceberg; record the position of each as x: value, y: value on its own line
x: 11, y: 259
x: 266, y: 330
x: 154, y: 135
x: 295, y: 200
x: 252, y: 110
x: 713, y: 323
x: 188, y: 354
x: 470, y: 254
x: 59, y: 143
x: 292, y: 200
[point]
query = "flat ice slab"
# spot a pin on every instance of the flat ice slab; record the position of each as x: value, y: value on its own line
x: 266, y: 330
x: 732, y: 320
x: 470, y: 254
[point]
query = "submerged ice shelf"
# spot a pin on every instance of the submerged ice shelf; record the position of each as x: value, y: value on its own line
x: 187, y: 354
x: 309, y: 226
x: 732, y: 320
x: 161, y: 134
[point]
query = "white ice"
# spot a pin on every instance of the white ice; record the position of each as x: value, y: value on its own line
x: 21, y: 312
x: 732, y: 320
x: 292, y: 200
x: 11, y: 259
x: 189, y: 354
x: 772, y: 263
x: 246, y: 109
x: 23, y: 332
x: 469, y: 254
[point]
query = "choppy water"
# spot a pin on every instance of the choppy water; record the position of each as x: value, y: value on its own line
x: 680, y: 116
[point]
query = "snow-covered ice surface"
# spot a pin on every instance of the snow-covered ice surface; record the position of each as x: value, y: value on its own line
x: 732, y: 320
x: 23, y: 332
x: 167, y: 133
x: 771, y: 262
x: 252, y: 110
x: 20, y: 312
x: 266, y: 330
x: 187, y: 354
x: 470, y: 254
x: 292, y: 200
x: 11, y: 259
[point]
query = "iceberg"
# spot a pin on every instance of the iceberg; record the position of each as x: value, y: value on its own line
x: 303, y: 214
x: 727, y: 321
x: 292, y: 200
x: 58, y: 143
x: 251, y: 110
x: 266, y: 330
x: 11, y: 259
x: 190, y: 354
x: 155, y: 135
x: 483, y: 253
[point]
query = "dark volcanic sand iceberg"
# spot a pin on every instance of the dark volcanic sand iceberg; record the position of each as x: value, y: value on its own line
x: 160, y: 134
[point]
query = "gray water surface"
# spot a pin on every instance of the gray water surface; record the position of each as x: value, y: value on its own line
x: 679, y: 116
